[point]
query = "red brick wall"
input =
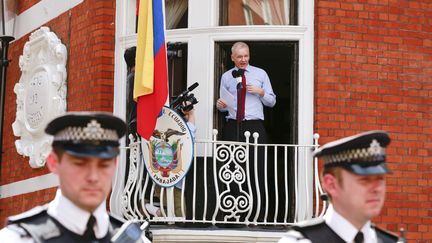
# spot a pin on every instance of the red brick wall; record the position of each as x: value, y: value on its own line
x: 374, y: 71
x: 88, y: 33
x: 21, y: 203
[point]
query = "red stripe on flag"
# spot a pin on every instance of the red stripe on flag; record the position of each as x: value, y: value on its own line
x: 149, y: 106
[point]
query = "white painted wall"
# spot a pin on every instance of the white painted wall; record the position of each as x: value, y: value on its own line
x: 38, y: 15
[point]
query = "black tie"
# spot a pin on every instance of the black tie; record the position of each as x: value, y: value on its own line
x: 359, y: 237
x: 89, y: 232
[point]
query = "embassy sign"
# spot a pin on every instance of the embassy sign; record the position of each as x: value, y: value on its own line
x: 169, y: 152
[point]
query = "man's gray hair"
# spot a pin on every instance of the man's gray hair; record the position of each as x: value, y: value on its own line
x: 239, y: 45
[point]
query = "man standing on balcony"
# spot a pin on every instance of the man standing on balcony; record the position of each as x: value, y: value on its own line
x: 84, y: 151
x: 354, y: 179
x: 250, y: 89
x: 244, y: 91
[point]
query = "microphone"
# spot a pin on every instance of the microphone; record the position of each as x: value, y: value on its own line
x: 193, y: 86
x: 237, y: 74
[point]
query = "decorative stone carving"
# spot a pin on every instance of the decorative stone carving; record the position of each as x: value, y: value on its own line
x: 41, y: 94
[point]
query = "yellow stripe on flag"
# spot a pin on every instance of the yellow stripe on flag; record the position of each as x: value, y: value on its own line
x: 144, y: 68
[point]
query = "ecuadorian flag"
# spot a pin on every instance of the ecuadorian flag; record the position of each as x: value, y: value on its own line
x: 151, y: 77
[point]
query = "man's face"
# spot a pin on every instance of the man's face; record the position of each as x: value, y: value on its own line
x: 357, y: 198
x: 240, y: 57
x: 86, y: 181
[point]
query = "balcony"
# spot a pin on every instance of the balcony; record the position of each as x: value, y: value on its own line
x: 233, y: 192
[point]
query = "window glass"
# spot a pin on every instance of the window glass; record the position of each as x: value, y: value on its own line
x: 176, y: 14
x: 258, y: 12
x: 177, y: 53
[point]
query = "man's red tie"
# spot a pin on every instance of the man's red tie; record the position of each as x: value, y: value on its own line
x: 241, y: 100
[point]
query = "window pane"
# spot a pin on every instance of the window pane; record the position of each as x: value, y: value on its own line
x: 176, y: 14
x: 258, y: 12
x: 177, y: 53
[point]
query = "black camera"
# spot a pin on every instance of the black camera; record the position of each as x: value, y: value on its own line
x: 185, y: 101
x: 174, y: 50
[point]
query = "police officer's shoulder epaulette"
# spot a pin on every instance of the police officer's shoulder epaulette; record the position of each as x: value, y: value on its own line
x: 28, y: 215
x: 296, y: 231
x: 293, y: 234
x: 35, y: 223
x: 385, y: 235
x: 309, y: 223
x: 299, y: 229
x: 316, y: 229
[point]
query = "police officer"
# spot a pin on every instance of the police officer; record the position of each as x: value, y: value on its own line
x: 354, y: 179
x: 85, y: 148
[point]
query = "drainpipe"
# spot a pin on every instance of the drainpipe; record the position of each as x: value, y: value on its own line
x: 4, y: 62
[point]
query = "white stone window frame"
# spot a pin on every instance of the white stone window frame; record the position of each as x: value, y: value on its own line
x: 201, y: 35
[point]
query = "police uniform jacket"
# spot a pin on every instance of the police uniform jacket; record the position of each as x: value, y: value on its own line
x: 336, y: 229
x: 59, y: 221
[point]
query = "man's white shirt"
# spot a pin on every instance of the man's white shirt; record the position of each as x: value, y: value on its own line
x: 70, y: 216
x: 345, y: 229
x: 75, y: 219
x: 342, y: 227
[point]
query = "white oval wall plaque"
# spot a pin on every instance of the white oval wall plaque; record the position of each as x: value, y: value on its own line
x: 41, y: 94
x: 169, y: 152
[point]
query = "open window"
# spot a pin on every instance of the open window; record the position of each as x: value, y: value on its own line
x: 177, y: 53
x: 280, y: 60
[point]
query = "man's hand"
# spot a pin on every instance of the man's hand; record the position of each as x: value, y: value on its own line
x: 189, y: 116
x: 220, y: 104
x: 255, y: 90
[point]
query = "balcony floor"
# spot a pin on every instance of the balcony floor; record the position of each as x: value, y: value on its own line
x: 189, y: 233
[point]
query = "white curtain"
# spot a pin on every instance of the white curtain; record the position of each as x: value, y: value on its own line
x: 174, y: 10
x: 271, y: 11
